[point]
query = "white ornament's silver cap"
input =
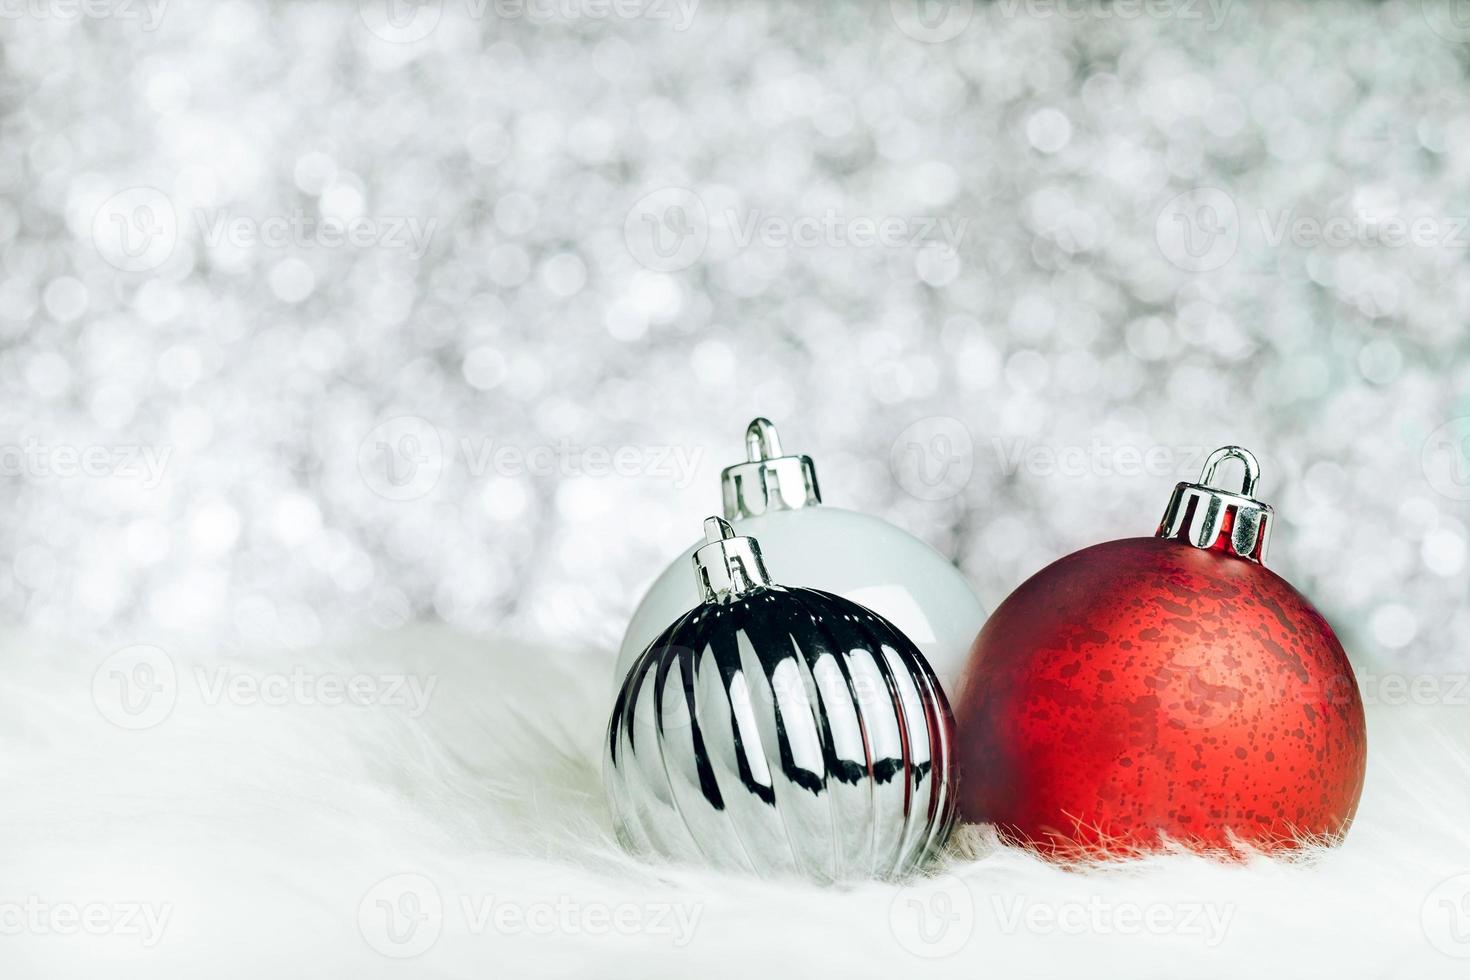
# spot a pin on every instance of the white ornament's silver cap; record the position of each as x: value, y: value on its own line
x: 767, y: 480
x: 1217, y: 519
x: 728, y: 565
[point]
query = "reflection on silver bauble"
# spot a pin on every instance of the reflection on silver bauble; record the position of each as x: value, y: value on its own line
x: 782, y: 731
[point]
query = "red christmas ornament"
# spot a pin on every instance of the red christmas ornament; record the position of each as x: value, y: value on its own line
x: 1164, y: 688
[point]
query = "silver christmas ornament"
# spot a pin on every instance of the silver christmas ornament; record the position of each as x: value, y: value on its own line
x: 779, y: 730
x: 775, y: 497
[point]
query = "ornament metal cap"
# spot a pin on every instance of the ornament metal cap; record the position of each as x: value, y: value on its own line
x: 1217, y: 519
x: 728, y: 565
x: 767, y: 480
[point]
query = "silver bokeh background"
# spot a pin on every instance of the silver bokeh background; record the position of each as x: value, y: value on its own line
x: 321, y: 318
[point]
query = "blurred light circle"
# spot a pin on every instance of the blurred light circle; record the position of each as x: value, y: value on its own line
x: 313, y: 172
x: 292, y: 280
x: 65, y: 298
x: 508, y: 265
x: 515, y: 214
x: 1380, y: 361
x: 1048, y: 130
x: 1394, y: 625
x: 485, y: 368
x: 564, y: 274
x: 1443, y: 552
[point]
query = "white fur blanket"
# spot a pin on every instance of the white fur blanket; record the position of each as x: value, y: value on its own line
x: 429, y: 805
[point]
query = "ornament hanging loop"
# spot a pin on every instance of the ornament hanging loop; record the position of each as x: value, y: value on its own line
x: 1218, y: 520
x: 727, y: 565
x: 1246, y: 457
x: 761, y: 441
x: 767, y: 481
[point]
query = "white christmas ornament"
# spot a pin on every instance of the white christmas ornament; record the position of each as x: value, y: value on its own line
x: 775, y: 498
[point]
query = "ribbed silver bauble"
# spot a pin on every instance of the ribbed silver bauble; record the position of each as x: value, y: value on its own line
x: 783, y: 731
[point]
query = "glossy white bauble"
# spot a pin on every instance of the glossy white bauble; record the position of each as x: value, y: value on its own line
x: 857, y: 556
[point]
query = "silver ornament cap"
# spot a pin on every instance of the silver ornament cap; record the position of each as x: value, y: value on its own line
x: 728, y: 565
x: 767, y: 480
x: 1210, y: 518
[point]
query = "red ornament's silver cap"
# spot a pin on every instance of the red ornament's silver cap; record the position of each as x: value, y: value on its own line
x: 727, y: 565
x: 1217, y: 519
x: 767, y: 480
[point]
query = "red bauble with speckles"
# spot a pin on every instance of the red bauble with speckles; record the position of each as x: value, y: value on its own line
x: 1163, y: 689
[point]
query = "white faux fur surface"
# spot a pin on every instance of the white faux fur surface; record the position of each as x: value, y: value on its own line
x: 266, y: 828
